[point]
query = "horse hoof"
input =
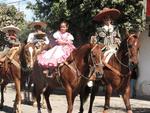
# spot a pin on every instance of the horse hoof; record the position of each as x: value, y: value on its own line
x: 16, y: 111
x: 43, y: 106
x: 34, y: 105
x: 1, y: 106
x: 39, y: 111
x: 129, y: 111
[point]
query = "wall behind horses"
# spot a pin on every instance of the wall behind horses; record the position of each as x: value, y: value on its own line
x: 143, y: 82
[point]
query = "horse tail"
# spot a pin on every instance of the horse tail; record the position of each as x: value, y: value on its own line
x: 85, y: 93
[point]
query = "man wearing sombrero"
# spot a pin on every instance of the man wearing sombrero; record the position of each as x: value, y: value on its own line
x: 12, y: 43
x: 38, y: 35
x: 108, y: 33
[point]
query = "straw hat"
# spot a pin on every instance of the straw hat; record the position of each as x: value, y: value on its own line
x: 10, y: 27
x: 113, y: 13
x: 42, y: 24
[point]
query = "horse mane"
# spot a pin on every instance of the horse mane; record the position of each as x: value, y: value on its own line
x: 123, y: 45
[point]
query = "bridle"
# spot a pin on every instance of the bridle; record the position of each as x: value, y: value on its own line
x: 93, y: 61
x: 129, y: 65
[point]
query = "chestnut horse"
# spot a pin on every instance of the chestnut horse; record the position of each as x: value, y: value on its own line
x: 28, y: 57
x: 10, y: 70
x: 117, y: 74
x: 72, y: 75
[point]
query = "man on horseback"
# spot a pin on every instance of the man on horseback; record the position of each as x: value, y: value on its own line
x: 108, y: 34
x: 10, y: 43
x: 38, y: 37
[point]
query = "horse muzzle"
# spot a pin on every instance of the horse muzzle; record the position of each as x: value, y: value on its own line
x: 99, y: 75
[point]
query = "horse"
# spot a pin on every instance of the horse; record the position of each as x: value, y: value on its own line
x: 28, y: 56
x: 74, y: 73
x: 10, y: 70
x: 117, y: 74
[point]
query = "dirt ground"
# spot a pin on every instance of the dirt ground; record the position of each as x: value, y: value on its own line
x: 59, y: 104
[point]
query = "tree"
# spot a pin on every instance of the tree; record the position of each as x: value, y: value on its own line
x: 10, y: 15
x: 80, y: 14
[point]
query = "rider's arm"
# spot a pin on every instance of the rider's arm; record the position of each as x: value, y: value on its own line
x: 30, y: 38
x: 100, y: 35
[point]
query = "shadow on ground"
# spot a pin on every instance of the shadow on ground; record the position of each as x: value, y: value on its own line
x: 7, y: 109
x: 135, y: 110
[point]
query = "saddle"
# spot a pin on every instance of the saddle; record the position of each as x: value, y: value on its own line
x: 9, y: 56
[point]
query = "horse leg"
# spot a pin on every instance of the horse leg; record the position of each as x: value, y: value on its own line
x: 17, y: 104
x: 37, y: 95
x: 92, y: 98
x: 126, y: 98
x: 69, y: 97
x: 46, y: 95
x: 38, y: 99
x: 3, y: 85
x: 107, y: 97
x: 81, y: 102
x: 84, y: 94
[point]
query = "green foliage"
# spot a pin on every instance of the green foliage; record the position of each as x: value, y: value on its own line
x: 10, y: 15
x: 80, y: 14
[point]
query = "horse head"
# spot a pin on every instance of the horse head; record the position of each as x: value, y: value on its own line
x: 133, y: 48
x: 95, y: 60
x: 88, y: 60
x: 30, y: 55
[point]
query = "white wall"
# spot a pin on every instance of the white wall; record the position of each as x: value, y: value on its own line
x: 143, y: 83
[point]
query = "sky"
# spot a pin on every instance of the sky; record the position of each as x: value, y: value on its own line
x: 22, y: 7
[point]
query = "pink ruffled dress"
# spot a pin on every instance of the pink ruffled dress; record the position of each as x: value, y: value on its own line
x: 58, y: 53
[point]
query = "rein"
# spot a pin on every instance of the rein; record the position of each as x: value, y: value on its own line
x: 121, y: 63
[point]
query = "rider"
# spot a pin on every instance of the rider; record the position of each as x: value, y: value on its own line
x: 107, y: 33
x: 38, y: 35
x: 11, y: 43
x: 61, y: 51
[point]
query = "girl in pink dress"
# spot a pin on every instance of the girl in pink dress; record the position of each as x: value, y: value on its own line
x: 61, y: 51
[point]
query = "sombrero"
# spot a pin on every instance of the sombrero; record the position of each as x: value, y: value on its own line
x: 113, y: 13
x: 10, y: 27
x: 42, y: 24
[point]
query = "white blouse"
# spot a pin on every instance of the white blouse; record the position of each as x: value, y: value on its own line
x: 64, y: 36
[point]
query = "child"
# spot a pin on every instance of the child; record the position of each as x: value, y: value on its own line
x: 61, y: 51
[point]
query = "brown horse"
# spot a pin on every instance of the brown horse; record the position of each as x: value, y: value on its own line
x: 10, y: 70
x: 72, y: 75
x: 28, y: 57
x: 117, y: 74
